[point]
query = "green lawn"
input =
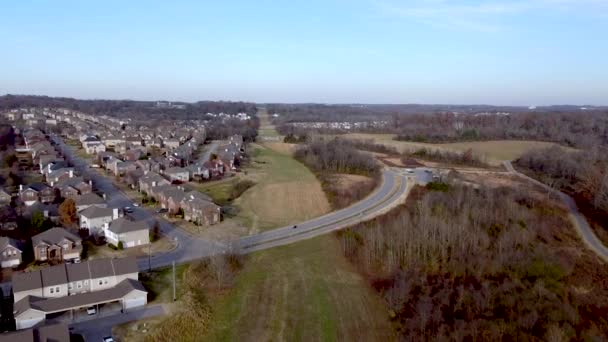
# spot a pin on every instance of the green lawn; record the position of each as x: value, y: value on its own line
x: 159, y: 283
x: 305, y: 291
x: 285, y: 192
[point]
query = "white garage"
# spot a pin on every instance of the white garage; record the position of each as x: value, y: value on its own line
x: 135, y: 299
x: 10, y: 263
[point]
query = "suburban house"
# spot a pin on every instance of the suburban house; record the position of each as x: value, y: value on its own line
x: 94, y: 218
x: 36, y: 192
x: 177, y: 174
x: 89, y: 200
x: 72, y: 187
x: 130, y: 233
x: 56, y: 176
x: 72, y: 287
x: 150, y: 180
x: 10, y: 254
x: 198, y: 171
x: 94, y: 147
x: 200, y: 211
x: 56, y: 244
x: 215, y: 167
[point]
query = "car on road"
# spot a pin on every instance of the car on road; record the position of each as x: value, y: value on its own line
x: 135, y: 204
x: 91, y: 310
x: 108, y: 339
x: 128, y: 210
x: 162, y: 210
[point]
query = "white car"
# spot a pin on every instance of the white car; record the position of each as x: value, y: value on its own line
x: 91, y: 310
x: 135, y: 204
x: 108, y: 339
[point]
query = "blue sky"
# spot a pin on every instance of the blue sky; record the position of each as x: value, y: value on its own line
x: 510, y: 52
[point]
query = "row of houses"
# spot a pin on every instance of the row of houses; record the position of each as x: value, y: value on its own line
x: 196, y: 206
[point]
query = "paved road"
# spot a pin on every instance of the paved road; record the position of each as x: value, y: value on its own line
x: 578, y: 220
x: 390, y: 193
x: 98, y: 328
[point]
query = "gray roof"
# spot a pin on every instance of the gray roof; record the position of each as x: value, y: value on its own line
x: 77, y: 272
x: 54, y: 275
x: 54, y: 236
x: 123, y: 225
x: 6, y: 241
x: 89, y: 199
x: 27, y: 281
x: 95, y: 211
x: 101, y: 268
x: 51, y: 305
x: 73, y: 272
x: 125, y: 265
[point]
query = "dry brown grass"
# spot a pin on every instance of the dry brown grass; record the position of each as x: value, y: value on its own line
x: 494, y: 151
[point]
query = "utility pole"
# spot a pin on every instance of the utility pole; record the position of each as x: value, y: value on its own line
x: 174, y: 298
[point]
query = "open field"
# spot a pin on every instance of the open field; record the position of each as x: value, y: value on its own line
x: 305, y: 291
x: 281, y: 147
x: 285, y: 192
x: 494, y: 151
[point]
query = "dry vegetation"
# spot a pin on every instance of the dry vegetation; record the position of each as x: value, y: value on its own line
x: 493, y: 152
x: 486, y: 264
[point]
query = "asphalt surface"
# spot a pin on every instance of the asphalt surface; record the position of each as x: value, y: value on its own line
x: 98, y: 328
x: 579, y: 221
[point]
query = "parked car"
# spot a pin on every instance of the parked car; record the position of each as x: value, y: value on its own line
x: 91, y: 310
x: 108, y: 339
x: 162, y: 210
x: 135, y: 204
x: 128, y: 209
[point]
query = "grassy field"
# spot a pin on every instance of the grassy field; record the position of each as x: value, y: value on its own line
x: 306, y: 291
x: 494, y: 151
x: 285, y: 192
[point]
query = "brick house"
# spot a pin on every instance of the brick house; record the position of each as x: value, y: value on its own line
x: 36, y: 192
x: 56, y: 244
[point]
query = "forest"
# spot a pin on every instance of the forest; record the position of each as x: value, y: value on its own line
x: 492, y: 264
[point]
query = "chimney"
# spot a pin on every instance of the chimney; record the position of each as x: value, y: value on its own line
x: 103, y: 195
x: 52, y: 184
x: 114, y: 213
x: 20, y: 188
x: 90, y: 182
x: 153, y: 183
x: 71, y: 173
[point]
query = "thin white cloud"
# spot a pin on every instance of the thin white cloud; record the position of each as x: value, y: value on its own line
x: 480, y: 15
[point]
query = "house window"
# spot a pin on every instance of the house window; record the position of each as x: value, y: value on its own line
x: 100, y: 282
x: 79, y: 284
x: 70, y: 286
x: 52, y: 290
x: 57, y: 289
x: 86, y: 282
x: 105, y: 281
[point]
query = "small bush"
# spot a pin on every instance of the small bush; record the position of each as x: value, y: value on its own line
x: 437, y: 186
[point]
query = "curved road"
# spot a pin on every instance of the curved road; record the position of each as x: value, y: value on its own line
x: 578, y: 220
x: 391, y: 192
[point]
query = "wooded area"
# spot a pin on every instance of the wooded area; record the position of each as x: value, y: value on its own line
x: 488, y: 264
x: 582, y: 173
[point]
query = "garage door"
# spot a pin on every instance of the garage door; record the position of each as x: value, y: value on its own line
x: 10, y: 263
x: 135, y: 302
x: 130, y: 243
